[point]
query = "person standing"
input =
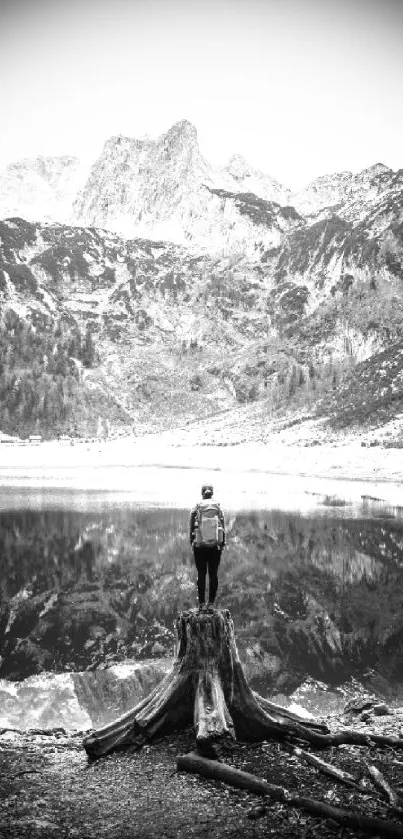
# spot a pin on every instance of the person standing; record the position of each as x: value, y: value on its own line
x: 207, y: 538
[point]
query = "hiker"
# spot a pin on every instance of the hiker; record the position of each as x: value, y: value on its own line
x: 207, y: 538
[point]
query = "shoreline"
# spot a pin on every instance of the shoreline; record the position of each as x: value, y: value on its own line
x: 153, y: 470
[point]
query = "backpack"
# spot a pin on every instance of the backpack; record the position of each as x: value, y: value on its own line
x: 209, y: 531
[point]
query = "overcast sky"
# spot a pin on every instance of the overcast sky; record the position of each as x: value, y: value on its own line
x: 299, y: 87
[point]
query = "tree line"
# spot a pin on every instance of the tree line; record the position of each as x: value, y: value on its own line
x: 41, y: 363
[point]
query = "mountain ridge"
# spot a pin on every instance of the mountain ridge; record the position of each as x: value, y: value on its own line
x: 155, y: 188
x: 252, y: 301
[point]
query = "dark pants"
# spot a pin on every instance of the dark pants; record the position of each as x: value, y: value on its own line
x: 207, y: 559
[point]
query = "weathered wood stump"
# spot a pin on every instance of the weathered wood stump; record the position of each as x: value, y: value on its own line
x: 206, y: 686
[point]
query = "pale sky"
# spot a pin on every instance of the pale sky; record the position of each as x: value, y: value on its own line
x: 301, y: 88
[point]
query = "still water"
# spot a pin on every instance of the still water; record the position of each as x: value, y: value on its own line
x: 91, y: 580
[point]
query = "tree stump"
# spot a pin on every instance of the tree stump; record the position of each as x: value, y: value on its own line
x: 206, y: 686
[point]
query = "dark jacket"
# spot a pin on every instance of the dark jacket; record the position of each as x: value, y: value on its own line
x: 193, y: 518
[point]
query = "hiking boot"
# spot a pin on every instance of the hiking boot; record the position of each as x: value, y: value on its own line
x: 210, y: 606
x: 202, y: 607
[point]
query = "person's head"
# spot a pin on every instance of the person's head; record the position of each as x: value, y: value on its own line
x: 207, y: 491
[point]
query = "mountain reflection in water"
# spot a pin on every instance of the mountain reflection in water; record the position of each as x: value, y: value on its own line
x: 319, y: 595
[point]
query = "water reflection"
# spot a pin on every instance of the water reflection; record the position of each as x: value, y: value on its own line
x: 95, y: 581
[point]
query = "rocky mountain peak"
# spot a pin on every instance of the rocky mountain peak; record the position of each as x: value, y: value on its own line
x: 182, y: 132
x: 240, y: 176
x: 146, y: 187
x: 377, y: 169
x: 349, y: 194
x: 180, y: 146
x: 238, y: 167
x: 163, y: 188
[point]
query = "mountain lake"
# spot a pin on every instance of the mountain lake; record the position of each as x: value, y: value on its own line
x: 92, y: 584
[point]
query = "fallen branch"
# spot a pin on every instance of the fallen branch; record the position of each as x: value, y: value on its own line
x: 348, y: 736
x: 328, y: 769
x: 395, y: 800
x: 194, y: 763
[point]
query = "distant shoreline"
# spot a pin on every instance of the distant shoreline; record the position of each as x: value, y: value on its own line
x: 155, y: 470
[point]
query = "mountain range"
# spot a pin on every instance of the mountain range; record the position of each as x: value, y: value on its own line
x: 152, y: 289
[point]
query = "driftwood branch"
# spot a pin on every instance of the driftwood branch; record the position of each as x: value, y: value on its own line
x: 354, y: 738
x: 244, y: 780
x: 329, y: 769
x: 395, y: 800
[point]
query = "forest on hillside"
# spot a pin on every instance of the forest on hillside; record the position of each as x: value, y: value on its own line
x: 41, y: 372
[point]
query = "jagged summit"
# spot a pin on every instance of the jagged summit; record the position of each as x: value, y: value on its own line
x: 347, y: 192
x: 377, y: 169
x: 182, y: 129
x: 157, y: 188
x: 243, y: 177
x: 148, y: 187
x: 163, y: 188
x: 348, y: 176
